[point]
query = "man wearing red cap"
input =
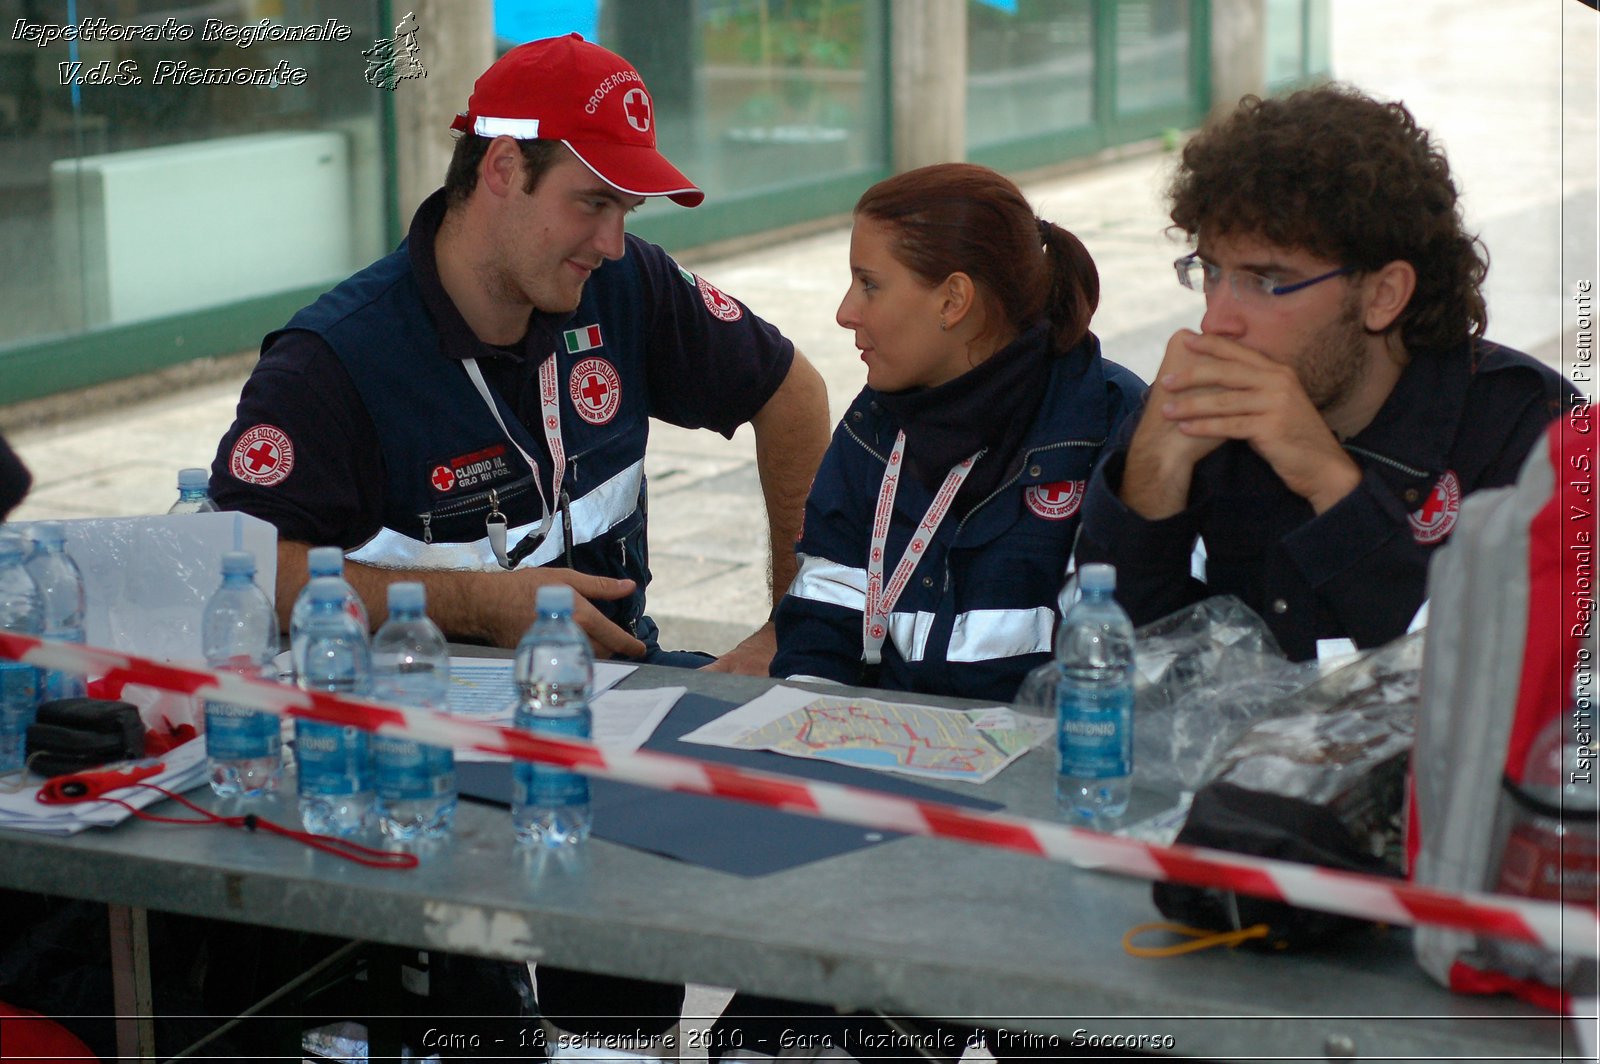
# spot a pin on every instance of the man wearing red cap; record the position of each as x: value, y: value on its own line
x: 472, y: 410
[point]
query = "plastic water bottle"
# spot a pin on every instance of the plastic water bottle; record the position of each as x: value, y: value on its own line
x: 239, y: 634
x: 336, y: 796
x: 193, y: 493
x: 322, y: 562
x: 61, y: 589
x: 1094, y: 702
x: 411, y: 667
x: 21, y: 611
x: 554, y: 673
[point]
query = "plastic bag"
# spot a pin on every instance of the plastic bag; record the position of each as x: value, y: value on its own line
x: 1206, y: 675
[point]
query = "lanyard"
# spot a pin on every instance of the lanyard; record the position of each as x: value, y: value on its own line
x: 881, y: 597
x: 550, y: 422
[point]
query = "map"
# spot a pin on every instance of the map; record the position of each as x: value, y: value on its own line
x: 952, y: 744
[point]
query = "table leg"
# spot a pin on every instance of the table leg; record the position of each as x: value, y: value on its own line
x: 130, y: 982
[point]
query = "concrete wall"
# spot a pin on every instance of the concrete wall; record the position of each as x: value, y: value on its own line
x: 928, y: 63
x: 1238, y: 51
x: 457, y: 44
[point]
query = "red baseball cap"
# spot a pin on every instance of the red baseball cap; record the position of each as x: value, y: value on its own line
x: 591, y: 100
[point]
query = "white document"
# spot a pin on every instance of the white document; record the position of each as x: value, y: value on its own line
x: 185, y: 769
x: 623, y: 720
x: 971, y: 745
x: 482, y: 689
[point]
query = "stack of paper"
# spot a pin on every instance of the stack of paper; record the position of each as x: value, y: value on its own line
x: 185, y: 767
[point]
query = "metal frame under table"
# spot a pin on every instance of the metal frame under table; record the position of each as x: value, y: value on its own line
x: 914, y: 927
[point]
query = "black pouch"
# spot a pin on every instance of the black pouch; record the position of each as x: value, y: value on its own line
x: 1225, y: 816
x: 73, y: 734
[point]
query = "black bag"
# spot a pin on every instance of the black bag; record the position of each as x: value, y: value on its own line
x: 1225, y: 816
x: 72, y: 734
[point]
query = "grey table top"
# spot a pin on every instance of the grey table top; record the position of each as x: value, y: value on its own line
x: 915, y: 926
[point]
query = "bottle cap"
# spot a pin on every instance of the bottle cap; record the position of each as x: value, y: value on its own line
x: 554, y: 598
x: 325, y: 589
x: 12, y: 546
x: 193, y: 479
x: 325, y: 561
x: 53, y: 533
x: 1098, y: 576
x: 235, y: 562
x: 407, y: 595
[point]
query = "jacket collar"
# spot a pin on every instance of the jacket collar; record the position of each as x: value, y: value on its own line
x: 1418, y: 423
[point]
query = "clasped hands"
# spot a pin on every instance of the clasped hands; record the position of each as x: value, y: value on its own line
x: 1211, y: 389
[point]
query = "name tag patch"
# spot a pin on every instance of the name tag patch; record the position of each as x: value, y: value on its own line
x: 475, y: 470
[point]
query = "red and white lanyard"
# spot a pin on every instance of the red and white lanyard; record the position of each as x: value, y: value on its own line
x: 880, y: 597
x: 550, y: 423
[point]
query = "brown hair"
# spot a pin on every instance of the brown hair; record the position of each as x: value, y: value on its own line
x: 1336, y: 173
x: 958, y: 217
x: 462, y: 176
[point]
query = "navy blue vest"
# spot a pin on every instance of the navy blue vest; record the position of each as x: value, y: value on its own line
x: 447, y: 461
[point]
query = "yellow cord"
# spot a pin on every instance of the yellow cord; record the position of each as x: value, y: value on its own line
x: 1202, y: 939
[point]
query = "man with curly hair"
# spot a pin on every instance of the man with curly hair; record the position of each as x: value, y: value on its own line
x: 1309, y: 447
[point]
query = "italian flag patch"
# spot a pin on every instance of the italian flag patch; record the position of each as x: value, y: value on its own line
x: 688, y: 278
x: 583, y: 339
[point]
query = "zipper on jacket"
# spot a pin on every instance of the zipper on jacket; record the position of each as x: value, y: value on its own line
x: 1390, y: 462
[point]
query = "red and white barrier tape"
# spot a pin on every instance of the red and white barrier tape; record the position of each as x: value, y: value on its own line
x: 1572, y: 928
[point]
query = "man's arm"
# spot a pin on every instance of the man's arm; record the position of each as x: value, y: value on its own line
x: 791, y: 435
x: 489, y: 607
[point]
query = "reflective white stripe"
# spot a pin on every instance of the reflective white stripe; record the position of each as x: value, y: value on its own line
x: 984, y: 635
x: 521, y: 128
x: 593, y: 516
x: 821, y: 580
x: 1197, y: 560
x: 1420, y: 619
x: 910, y: 633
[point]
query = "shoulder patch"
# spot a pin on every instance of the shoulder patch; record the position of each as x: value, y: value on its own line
x: 262, y: 456
x: 1438, y: 514
x: 723, y: 308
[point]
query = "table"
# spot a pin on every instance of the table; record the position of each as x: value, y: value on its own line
x: 917, y: 927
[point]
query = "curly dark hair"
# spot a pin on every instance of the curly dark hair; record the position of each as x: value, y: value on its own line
x: 1334, y: 172
x: 462, y: 176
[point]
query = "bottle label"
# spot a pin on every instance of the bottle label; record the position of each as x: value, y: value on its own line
x: 239, y: 733
x: 1094, y: 731
x: 543, y: 785
x: 411, y: 771
x: 19, y: 695
x: 332, y: 758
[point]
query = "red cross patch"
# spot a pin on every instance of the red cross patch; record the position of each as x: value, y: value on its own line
x: 721, y: 307
x: 1055, y: 502
x: 1438, y: 514
x: 596, y: 390
x: 443, y: 478
x: 262, y: 456
x: 636, y: 108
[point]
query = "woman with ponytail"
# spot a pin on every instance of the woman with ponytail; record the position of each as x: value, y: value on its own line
x: 940, y: 523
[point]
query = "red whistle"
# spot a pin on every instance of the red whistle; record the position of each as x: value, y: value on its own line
x: 87, y: 786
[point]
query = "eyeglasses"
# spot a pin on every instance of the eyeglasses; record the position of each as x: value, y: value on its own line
x: 1196, y: 274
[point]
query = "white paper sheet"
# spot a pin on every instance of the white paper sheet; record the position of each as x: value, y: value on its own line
x: 185, y: 769
x: 623, y: 720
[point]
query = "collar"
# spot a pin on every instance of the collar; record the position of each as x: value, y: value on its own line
x: 945, y: 424
x: 1418, y: 423
x: 456, y: 339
